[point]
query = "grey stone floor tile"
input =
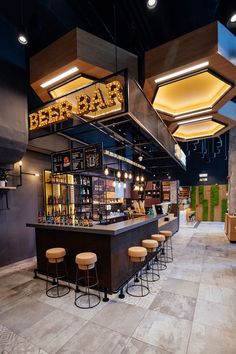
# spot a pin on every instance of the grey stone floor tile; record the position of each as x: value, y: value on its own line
x: 210, y: 340
x: 164, y: 331
x: 93, y: 338
x: 11, y: 343
x: 181, y: 287
x: 120, y: 317
x: 185, y: 274
x: 12, y: 280
x: 225, y: 296
x: 175, y: 305
x: 24, y: 315
x: 215, y: 315
x: 53, y: 330
x: 137, y: 347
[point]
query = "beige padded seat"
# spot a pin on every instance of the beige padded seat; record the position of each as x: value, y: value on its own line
x: 158, y: 237
x: 55, y: 255
x: 137, y: 254
x: 86, y: 260
x: 166, y: 233
x: 150, y: 245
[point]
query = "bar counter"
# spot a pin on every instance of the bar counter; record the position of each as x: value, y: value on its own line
x: 109, y: 242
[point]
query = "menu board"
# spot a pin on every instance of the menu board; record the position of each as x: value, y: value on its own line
x: 81, y: 159
x: 92, y: 157
x: 61, y: 163
x: 77, y: 160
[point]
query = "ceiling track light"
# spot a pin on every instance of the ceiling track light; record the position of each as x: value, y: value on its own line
x: 59, y: 77
x: 193, y: 114
x: 194, y: 120
x: 182, y: 72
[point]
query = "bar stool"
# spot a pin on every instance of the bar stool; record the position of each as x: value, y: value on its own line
x: 137, y: 255
x: 56, y: 258
x: 168, y: 245
x: 160, y: 259
x: 86, y: 261
x: 151, y: 246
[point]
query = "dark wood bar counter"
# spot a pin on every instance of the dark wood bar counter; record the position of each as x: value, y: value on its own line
x: 109, y: 242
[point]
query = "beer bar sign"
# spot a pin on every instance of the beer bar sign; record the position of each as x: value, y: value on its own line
x: 90, y: 103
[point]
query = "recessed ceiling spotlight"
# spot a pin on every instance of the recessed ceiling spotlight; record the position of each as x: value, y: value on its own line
x: 233, y: 18
x: 22, y: 36
x: 151, y: 4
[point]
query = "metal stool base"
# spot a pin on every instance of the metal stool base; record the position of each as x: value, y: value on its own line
x: 89, y: 301
x: 58, y: 287
x: 142, y: 287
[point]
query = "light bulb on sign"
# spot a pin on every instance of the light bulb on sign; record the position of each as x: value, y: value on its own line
x: 106, y: 172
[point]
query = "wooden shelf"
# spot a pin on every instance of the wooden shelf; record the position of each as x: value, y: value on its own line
x: 8, y: 188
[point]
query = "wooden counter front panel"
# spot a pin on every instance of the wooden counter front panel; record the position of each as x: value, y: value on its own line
x: 113, y: 263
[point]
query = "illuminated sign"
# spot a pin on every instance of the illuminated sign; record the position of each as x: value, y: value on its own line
x: 180, y: 154
x: 85, y: 104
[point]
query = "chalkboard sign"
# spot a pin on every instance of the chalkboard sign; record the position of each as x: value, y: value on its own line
x: 77, y: 160
x: 92, y: 157
x: 81, y: 159
x: 61, y: 162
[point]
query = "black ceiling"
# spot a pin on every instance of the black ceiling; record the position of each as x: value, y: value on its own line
x: 137, y: 28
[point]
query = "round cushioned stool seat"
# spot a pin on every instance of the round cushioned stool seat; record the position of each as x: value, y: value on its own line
x: 158, y: 237
x: 86, y: 260
x: 137, y: 253
x: 55, y: 255
x: 150, y: 245
x: 166, y: 233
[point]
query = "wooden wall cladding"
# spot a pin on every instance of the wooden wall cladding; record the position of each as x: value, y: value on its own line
x: 206, y: 208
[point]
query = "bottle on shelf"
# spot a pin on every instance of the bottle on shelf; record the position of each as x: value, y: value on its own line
x: 76, y: 221
x: 44, y: 218
x: 49, y: 218
x: 53, y: 217
x: 90, y: 221
x: 40, y: 218
x: 57, y: 217
x: 85, y: 222
x: 81, y: 221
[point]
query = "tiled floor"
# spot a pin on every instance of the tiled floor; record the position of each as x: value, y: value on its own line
x: 192, y: 309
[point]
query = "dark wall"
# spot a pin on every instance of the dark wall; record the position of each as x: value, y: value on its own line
x: 17, y: 242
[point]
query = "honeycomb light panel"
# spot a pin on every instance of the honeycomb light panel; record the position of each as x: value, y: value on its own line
x: 189, y: 94
x: 198, y: 130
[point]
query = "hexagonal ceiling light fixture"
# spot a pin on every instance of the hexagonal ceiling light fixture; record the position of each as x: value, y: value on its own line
x: 192, y: 77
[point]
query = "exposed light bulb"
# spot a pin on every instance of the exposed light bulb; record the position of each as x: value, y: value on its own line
x: 151, y: 4
x: 125, y: 185
x: 106, y: 172
x: 22, y: 36
x: 126, y: 175
x: 114, y: 183
x: 20, y: 163
x: 36, y: 174
x: 118, y: 174
x: 130, y: 175
x: 233, y: 18
x: 142, y: 178
x: 137, y: 178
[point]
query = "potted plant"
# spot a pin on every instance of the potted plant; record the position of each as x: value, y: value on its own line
x: 3, y: 177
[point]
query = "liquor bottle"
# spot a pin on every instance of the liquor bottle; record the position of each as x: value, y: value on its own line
x: 44, y: 218
x: 57, y: 217
x: 40, y: 219
x: 49, y: 218
x: 53, y: 217
x: 76, y: 220
x: 81, y: 222
x: 90, y: 220
x: 85, y: 222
